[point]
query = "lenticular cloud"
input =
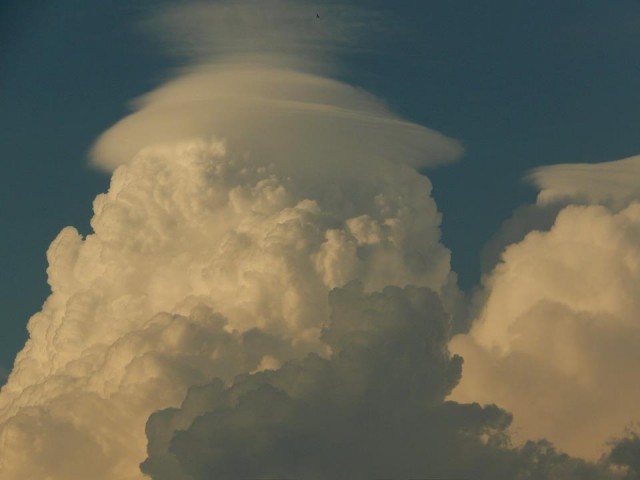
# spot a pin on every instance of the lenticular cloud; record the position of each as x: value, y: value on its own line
x: 241, y: 195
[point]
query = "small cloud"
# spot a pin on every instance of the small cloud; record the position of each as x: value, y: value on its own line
x: 614, y: 184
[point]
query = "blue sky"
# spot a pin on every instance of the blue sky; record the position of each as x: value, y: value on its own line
x: 520, y: 84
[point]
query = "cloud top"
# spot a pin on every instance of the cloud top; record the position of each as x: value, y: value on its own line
x: 614, y: 184
x: 373, y: 409
x: 292, y: 117
x: 256, y: 74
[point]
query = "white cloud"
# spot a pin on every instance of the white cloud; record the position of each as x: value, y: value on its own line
x: 626, y: 455
x: 190, y: 226
x: 614, y: 184
x: 241, y: 194
x: 291, y: 118
x: 557, y: 335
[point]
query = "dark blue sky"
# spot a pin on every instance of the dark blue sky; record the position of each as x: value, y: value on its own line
x: 519, y: 83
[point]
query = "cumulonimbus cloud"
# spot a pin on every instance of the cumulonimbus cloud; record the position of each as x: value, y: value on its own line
x: 265, y: 274
x: 240, y: 196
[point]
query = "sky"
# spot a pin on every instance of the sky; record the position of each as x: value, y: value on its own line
x: 426, y: 197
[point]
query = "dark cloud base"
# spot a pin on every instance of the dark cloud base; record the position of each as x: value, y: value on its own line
x: 375, y: 408
x: 626, y: 454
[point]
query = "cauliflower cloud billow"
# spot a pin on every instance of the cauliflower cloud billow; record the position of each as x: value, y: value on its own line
x: 204, y: 263
x: 374, y: 408
x: 557, y: 339
x: 217, y: 274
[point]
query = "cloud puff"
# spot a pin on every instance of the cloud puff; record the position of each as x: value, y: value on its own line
x: 374, y: 409
x: 85, y: 419
x: 556, y: 338
x: 192, y: 226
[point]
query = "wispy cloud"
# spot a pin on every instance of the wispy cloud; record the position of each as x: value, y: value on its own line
x: 614, y: 184
x: 303, y: 34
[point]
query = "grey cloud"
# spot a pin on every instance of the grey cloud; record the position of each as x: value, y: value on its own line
x: 249, y: 190
x: 626, y: 455
x: 83, y: 423
x: 375, y: 408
